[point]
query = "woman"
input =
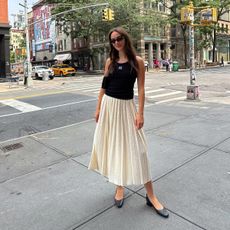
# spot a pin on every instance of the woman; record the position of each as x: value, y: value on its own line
x: 119, y: 147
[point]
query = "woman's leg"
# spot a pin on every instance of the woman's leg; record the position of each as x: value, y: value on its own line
x: 119, y: 193
x: 151, y: 196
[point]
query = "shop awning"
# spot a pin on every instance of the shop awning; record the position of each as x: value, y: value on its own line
x: 63, y: 57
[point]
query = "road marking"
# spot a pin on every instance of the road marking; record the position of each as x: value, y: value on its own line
x: 172, y: 99
x: 164, y: 95
x: 153, y: 91
x: 40, y: 94
x: 21, y: 106
x: 50, y: 107
x: 91, y: 90
x: 150, y: 91
x: 70, y: 103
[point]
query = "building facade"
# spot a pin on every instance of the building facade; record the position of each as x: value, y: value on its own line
x: 159, y: 41
x: 4, y: 40
x: 155, y: 42
x: 43, y: 39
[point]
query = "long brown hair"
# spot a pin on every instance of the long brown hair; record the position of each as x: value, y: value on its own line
x: 129, y: 50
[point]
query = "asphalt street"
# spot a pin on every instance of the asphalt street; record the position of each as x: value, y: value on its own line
x: 46, y: 135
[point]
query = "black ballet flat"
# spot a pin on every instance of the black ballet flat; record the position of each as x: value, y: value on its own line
x: 162, y: 212
x: 119, y: 203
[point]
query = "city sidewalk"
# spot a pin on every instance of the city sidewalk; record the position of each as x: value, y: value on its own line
x: 40, y: 84
x: 45, y: 183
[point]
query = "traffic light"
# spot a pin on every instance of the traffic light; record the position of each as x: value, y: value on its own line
x: 208, y: 15
x: 186, y: 14
x: 111, y: 15
x: 105, y: 14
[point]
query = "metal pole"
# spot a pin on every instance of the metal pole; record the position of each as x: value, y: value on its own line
x: 28, y: 81
x: 192, y: 56
x: 192, y: 89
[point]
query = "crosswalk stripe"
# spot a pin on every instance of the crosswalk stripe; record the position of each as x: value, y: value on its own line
x: 171, y: 99
x: 90, y: 90
x: 19, y: 105
x: 136, y: 89
x: 153, y: 91
x: 148, y: 91
x: 164, y: 95
x: 96, y: 91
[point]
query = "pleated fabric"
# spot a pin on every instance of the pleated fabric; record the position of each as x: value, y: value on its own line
x: 119, y: 148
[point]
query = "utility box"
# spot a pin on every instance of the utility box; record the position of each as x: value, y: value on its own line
x: 192, y: 92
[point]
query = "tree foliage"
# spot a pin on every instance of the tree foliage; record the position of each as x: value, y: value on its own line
x: 208, y: 34
x: 88, y: 21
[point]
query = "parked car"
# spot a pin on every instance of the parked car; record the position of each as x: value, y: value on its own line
x: 41, y: 71
x: 63, y: 70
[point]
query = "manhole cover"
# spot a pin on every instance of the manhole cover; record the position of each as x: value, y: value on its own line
x: 11, y: 147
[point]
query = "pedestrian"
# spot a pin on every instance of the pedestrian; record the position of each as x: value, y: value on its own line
x: 119, y: 147
x: 222, y: 61
x: 146, y: 65
x: 170, y: 65
x: 156, y: 64
x: 167, y: 65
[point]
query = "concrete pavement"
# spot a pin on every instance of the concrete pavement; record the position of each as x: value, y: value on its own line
x: 45, y: 183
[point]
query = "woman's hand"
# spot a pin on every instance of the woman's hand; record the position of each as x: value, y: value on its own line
x: 139, y: 121
x: 96, y: 115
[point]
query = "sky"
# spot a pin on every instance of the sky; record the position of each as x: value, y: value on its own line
x: 14, y: 7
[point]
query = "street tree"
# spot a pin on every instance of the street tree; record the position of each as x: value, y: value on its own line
x: 87, y: 22
x: 209, y: 33
x: 18, y: 54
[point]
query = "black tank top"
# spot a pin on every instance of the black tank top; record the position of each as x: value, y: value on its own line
x: 120, y: 82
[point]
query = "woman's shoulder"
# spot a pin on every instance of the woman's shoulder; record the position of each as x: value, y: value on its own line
x: 108, y: 61
x: 107, y: 64
x: 139, y: 60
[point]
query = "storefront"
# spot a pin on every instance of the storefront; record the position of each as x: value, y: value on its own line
x: 4, y: 51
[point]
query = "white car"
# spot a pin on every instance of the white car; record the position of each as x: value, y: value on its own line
x: 42, y: 71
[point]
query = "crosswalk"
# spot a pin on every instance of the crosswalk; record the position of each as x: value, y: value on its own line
x: 91, y: 87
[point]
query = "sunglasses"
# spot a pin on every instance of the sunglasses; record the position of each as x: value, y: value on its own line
x: 117, y: 39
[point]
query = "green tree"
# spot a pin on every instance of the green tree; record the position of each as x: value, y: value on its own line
x: 18, y: 56
x: 210, y: 32
x: 87, y: 22
x: 175, y: 20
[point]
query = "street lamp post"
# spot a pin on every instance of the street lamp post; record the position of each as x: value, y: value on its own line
x: 28, y: 81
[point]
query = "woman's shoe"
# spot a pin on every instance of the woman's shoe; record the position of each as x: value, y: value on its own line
x: 119, y: 203
x: 162, y: 212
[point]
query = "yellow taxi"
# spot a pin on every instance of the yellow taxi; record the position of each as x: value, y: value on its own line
x: 63, y: 70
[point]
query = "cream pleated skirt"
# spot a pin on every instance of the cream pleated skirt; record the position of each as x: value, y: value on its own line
x: 119, y: 148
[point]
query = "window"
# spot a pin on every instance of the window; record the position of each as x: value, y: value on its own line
x: 222, y: 27
x: 60, y: 45
x: 64, y: 44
